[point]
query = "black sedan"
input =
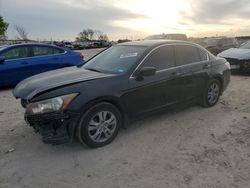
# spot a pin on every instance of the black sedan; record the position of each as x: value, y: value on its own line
x: 94, y: 101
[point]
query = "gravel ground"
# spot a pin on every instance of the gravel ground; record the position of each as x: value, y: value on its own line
x: 191, y: 147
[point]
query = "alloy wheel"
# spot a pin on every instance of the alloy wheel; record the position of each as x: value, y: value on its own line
x: 102, y: 126
x: 213, y: 93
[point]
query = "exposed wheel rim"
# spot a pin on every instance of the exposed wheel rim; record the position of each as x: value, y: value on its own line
x: 213, y: 93
x: 102, y: 126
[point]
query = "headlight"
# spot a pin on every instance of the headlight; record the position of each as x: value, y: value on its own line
x: 50, y: 105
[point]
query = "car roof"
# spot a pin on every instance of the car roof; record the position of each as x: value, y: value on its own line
x: 31, y: 44
x: 154, y: 43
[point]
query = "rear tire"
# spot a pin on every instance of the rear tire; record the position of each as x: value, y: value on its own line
x: 211, y: 94
x: 99, y: 125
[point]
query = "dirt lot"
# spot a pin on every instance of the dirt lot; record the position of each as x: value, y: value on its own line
x: 191, y: 147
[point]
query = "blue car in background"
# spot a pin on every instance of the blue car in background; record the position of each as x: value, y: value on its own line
x: 21, y: 61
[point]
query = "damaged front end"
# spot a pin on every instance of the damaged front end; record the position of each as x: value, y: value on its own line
x: 51, y: 119
x: 55, y: 128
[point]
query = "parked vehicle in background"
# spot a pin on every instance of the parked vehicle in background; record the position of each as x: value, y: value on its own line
x: 239, y: 58
x: 174, y: 36
x: 78, y: 46
x: 21, y: 61
x: 98, y: 44
x: 217, y: 45
x: 69, y: 45
x: 58, y: 43
x: 123, y: 41
x: 125, y: 81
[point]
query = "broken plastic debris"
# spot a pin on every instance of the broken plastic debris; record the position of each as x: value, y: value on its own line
x: 10, y: 150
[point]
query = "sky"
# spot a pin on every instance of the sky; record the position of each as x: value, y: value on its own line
x: 132, y: 19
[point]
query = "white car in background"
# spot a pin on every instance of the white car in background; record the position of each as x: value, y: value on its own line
x: 239, y: 58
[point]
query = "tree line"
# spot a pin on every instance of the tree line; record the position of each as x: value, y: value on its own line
x: 3, y: 27
x: 90, y: 35
x: 21, y: 31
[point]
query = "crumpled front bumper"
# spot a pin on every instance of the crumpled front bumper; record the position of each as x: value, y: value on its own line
x: 55, y: 128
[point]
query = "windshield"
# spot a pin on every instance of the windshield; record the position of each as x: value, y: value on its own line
x: 245, y: 45
x: 212, y: 42
x: 115, y: 60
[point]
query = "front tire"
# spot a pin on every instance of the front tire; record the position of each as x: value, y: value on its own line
x: 212, y: 93
x: 99, y: 125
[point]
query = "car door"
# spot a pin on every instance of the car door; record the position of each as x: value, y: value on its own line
x: 194, y: 69
x: 155, y: 91
x: 44, y: 58
x: 13, y: 69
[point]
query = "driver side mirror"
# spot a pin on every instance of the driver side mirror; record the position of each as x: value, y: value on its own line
x: 2, y: 59
x: 147, y: 71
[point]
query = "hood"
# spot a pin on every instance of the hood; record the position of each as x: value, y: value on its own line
x: 236, y: 53
x: 30, y: 87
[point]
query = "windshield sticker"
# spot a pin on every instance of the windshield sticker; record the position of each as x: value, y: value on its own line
x: 128, y: 55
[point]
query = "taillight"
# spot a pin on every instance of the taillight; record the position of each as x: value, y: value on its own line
x: 81, y: 56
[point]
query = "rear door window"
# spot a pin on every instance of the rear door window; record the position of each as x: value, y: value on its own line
x: 161, y: 58
x: 186, y: 54
x: 44, y: 50
x: 16, y: 53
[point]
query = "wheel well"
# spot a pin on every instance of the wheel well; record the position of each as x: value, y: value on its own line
x: 110, y: 100
x: 221, y: 82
